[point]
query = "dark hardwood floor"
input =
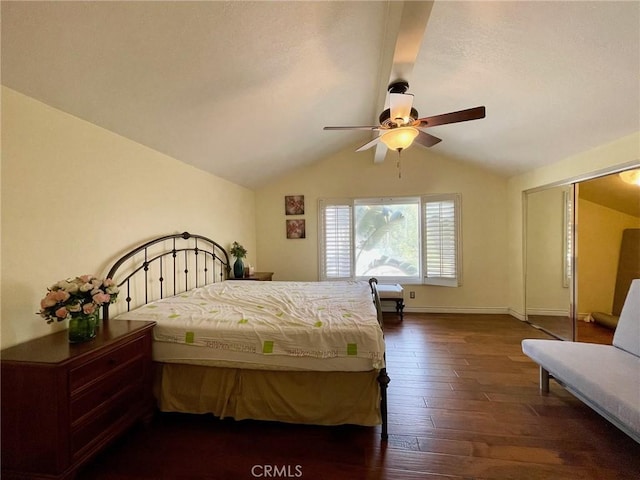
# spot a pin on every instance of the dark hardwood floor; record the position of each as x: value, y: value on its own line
x: 562, y: 328
x: 463, y: 404
x: 593, y: 333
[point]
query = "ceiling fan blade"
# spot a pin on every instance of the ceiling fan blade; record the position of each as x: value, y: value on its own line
x: 368, y: 145
x: 453, y: 117
x: 373, y: 127
x: 426, y: 140
x: 400, y: 106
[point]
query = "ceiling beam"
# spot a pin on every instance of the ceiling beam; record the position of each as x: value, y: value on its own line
x: 410, y: 32
x: 413, y: 25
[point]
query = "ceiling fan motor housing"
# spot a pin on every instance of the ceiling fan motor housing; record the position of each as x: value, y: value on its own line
x: 399, y: 86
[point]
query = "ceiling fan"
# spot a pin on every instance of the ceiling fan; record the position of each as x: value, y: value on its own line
x: 400, y: 124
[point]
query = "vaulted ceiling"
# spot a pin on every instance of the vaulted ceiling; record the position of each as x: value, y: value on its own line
x: 612, y: 192
x: 243, y: 89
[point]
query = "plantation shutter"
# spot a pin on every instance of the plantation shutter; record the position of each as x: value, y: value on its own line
x: 440, y: 240
x: 335, y: 239
x: 567, y: 257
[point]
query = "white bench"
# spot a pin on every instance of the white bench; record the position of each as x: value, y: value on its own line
x: 393, y: 293
x: 605, y: 377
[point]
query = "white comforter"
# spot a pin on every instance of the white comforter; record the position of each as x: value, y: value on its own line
x: 295, y: 319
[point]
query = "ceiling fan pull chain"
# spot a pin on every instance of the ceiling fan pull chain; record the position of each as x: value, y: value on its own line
x: 398, y: 163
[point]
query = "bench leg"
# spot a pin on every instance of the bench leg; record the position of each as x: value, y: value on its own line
x: 400, y: 308
x: 544, y: 380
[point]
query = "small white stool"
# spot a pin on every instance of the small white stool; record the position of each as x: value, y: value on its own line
x: 393, y: 293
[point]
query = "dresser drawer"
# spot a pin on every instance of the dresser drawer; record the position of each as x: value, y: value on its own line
x: 87, y: 372
x: 118, y: 379
x: 108, y: 420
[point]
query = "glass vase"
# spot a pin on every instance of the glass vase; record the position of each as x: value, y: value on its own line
x: 83, y: 327
x: 238, y: 268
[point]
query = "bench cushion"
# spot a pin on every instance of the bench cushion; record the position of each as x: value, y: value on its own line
x: 607, y: 376
x: 390, y: 291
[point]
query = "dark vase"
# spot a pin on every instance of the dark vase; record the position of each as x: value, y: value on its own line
x: 238, y: 268
x: 83, y: 327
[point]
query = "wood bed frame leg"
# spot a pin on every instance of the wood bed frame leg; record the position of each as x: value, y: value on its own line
x: 383, y: 380
x: 544, y: 380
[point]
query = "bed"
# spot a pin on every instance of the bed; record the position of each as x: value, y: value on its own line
x: 295, y: 352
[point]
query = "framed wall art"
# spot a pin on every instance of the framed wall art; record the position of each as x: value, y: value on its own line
x: 294, y: 204
x: 296, y: 229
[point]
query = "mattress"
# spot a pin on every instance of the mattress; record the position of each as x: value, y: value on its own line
x: 326, y: 326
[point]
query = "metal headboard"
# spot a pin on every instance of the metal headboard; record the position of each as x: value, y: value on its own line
x: 200, y: 258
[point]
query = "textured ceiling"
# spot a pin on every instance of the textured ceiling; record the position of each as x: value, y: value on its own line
x: 243, y: 89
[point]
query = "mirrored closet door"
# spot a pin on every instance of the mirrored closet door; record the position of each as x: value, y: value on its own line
x: 608, y: 245
x: 549, y: 232
x: 582, y: 249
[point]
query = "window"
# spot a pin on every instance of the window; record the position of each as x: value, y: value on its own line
x: 404, y: 239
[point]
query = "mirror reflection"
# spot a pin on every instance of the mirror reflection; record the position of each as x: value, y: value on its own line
x: 608, y: 242
x: 548, y: 260
x: 605, y: 244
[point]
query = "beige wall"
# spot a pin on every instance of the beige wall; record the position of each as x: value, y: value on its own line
x: 350, y: 174
x: 76, y: 196
x: 546, y: 292
x: 599, y: 237
x: 625, y: 151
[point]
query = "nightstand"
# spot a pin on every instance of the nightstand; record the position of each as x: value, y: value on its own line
x: 258, y: 276
x: 63, y: 403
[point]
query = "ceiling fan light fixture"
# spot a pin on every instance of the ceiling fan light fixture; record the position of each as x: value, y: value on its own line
x: 399, y: 138
x: 631, y: 176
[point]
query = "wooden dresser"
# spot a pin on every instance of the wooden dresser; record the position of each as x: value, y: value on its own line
x: 258, y: 276
x: 63, y: 403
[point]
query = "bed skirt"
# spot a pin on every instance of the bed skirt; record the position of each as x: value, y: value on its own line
x: 317, y: 398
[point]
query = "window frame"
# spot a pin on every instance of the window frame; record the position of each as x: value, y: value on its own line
x: 421, y: 200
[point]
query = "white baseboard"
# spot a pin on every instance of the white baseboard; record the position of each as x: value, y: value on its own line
x: 486, y: 310
x: 477, y: 310
x: 548, y: 312
x: 585, y: 317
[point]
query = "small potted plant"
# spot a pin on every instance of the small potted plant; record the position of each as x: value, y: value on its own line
x: 239, y: 252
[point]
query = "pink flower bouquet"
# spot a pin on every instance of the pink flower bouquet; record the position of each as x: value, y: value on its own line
x: 77, y: 296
